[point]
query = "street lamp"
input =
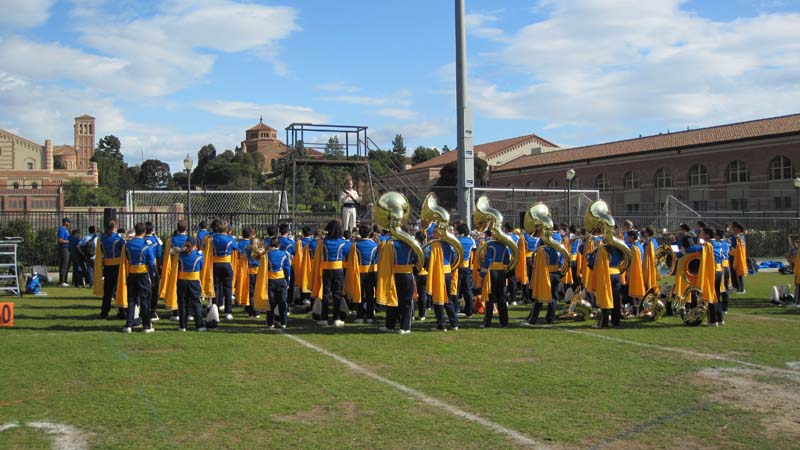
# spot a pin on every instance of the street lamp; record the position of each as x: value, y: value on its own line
x: 570, y: 176
x: 187, y: 166
x: 797, y: 196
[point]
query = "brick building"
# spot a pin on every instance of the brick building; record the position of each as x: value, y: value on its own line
x: 747, y: 166
x: 263, y: 139
x: 31, y: 174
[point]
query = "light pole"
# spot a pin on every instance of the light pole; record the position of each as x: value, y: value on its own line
x: 570, y: 176
x: 187, y: 166
x: 797, y: 196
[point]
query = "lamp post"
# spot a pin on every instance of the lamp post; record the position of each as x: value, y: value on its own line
x: 187, y: 166
x: 797, y: 196
x: 570, y: 176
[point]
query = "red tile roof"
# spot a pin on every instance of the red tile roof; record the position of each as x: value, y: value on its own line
x: 489, y: 149
x: 261, y: 126
x: 63, y: 149
x: 754, y: 129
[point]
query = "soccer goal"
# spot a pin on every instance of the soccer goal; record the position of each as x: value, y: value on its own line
x: 564, y: 206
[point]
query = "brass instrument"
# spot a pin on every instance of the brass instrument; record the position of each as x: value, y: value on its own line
x: 579, y: 308
x: 487, y: 217
x: 665, y: 260
x: 539, y: 222
x: 391, y: 211
x: 433, y: 213
x: 653, y: 307
x: 598, y: 216
x: 689, y: 269
x: 256, y: 247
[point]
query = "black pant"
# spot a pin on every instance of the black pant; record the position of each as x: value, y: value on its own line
x: 725, y: 296
x: 77, y: 270
x: 139, y: 295
x: 252, y: 282
x: 423, y: 298
x: 154, y: 291
x: 555, y: 278
x: 88, y: 271
x: 448, y: 307
x: 368, y: 284
x: 332, y: 284
x: 223, y: 286
x: 465, y: 289
x: 189, y: 302
x: 616, y: 293
x: 277, y: 298
x: 63, y: 264
x: 527, y: 292
x: 497, y: 297
x: 110, y: 275
x: 511, y: 284
x: 404, y: 283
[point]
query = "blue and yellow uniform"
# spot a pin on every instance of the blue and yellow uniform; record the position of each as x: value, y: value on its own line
x: 725, y: 251
x: 278, y: 273
x: 141, y: 263
x: 189, y: 266
x: 442, y: 300
x: 111, y: 247
x: 494, y: 264
x: 201, y: 236
x: 531, y: 244
x: 614, y: 257
x: 333, y: 256
x: 368, y: 259
x: 404, y: 261
x: 158, y: 249
x: 286, y: 243
x: 464, y: 288
x: 222, y: 247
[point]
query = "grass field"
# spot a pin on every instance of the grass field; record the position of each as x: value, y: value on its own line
x: 649, y: 385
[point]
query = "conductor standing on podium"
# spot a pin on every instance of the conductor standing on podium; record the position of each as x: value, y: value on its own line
x: 349, y: 198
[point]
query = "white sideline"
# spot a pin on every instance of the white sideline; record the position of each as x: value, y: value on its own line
x: 513, y: 434
x: 792, y: 373
x: 752, y: 316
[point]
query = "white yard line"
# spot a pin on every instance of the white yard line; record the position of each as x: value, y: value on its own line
x: 421, y: 396
x: 67, y: 437
x: 687, y: 352
x: 753, y: 316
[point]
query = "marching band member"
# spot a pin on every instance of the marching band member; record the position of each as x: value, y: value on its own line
x: 439, y: 284
x: 364, y: 258
x: 606, y: 285
x: 511, y: 277
x: 222, y: 248
x: 494, y: 264
x: 708, y: 278
x: 138, y: 262
x: 650, y: 276
x: 169, y: 269
x: 464, y: 289
x: 725, y: 250
x: 108, y: 254
x: 395, y: 286
x: 573, y: 242
x: 634, y: 278
x: 188, y: 264
x: 531, y: 243
x: 246, y: 280
x: 720, y: 255
x: 738, y: 257
x: 279, y: 271
x: 303, y: 256
x: 328, y: 273
x: 157, y: 245
x: 423, y: 296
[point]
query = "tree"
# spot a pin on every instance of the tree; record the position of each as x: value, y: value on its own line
x: 205, y: 155
x: 154, y: 174
x: 448, y: 178
x: 445, y: 149
x: 78, y: 193
x: 422, y: 154
x: 113, y: 173
x: 398, y: 153
x: 333, y: 149
x: 109, y: 146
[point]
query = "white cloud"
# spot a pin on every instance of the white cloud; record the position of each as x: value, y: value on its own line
x: 277, y: 115
x: 599, y: 63
x: 338, y: 87
x: 20, y: 14
x: 397, y: 113
x: 483, y: 25
x: 399, y: 98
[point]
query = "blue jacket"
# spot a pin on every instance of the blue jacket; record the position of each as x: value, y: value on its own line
x: 403, y: 253
x: 367, y: 251
x: 112, y: 245
x: 496, y: 251
x: 286, y: 243
x: 278, y: 260
x: 140, y: 253
x: 223, y: 244
x: 334, y: 249
x: 467, y: 246
x: 190, y: 262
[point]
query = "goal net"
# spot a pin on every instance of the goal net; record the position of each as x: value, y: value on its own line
x: 233, y: 206
x: 564, y: 207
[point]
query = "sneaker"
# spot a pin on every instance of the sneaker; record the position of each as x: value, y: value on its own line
x: 513, y: 303
x: 405, y: 331
x: 338, y: 323
x: 322, y: 323
x: 421, y: 319
x: 525, y: 323
x: 483, y: 325
x: 149, y: 330
x: 455, y: 328
x: 257, y: 316
x: 386, y: 330
x: 181, y: 329
x: 283, y: 326
x: 174, y: 318
x: 189, y: 318
x: 722, y: 323
x: 127, y: 330
x: 154, y: 316
x: 358, y: 321
x: 271, y: 325
x: 228, y: 316
x: 201, y: 329
x: 370, y: 320
x: 743, y: 291
x: 439, y: 329
x: 64, y: 285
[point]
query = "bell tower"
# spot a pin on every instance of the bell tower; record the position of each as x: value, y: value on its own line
x: 84, y: 142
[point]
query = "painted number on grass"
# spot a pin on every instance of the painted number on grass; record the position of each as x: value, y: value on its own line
x: 6, y: 314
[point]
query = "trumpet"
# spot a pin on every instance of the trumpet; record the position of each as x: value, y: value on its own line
x: 487, y: 217
x: 433, y: 213
x: 390, y: 212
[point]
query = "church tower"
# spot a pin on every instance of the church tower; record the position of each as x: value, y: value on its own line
x: 84, y: 142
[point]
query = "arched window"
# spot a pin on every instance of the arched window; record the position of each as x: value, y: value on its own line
x: 601, y: 183
x: 698, y: 175
x: 663, y: 178
x: 737, y: 173
x: 551, y: 183
x: 780, y: 168
x: 34, y: 185
x: 631, y: 180
x: 16, y: 185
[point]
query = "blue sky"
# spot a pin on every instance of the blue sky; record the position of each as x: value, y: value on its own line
x: 168, y: 77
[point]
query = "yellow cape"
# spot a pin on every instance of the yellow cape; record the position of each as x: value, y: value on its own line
x: 706, y: 276
x: 649, y: 267
x: 98, y: 269
x: 242, y: 279
x: 740, y: 257
x: 586, y: 274
x: 540, y: 281
x: 634, y: 274
x: 261, y: 295
x: 601, y: 280
x: 207, y: 273
x: 386, y: 291
x: 435, y: 285
x: 352, y: 276
x: 316, y: 272
x: 122, y: 280
x: 521, y: 270
x: 568, y: 279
